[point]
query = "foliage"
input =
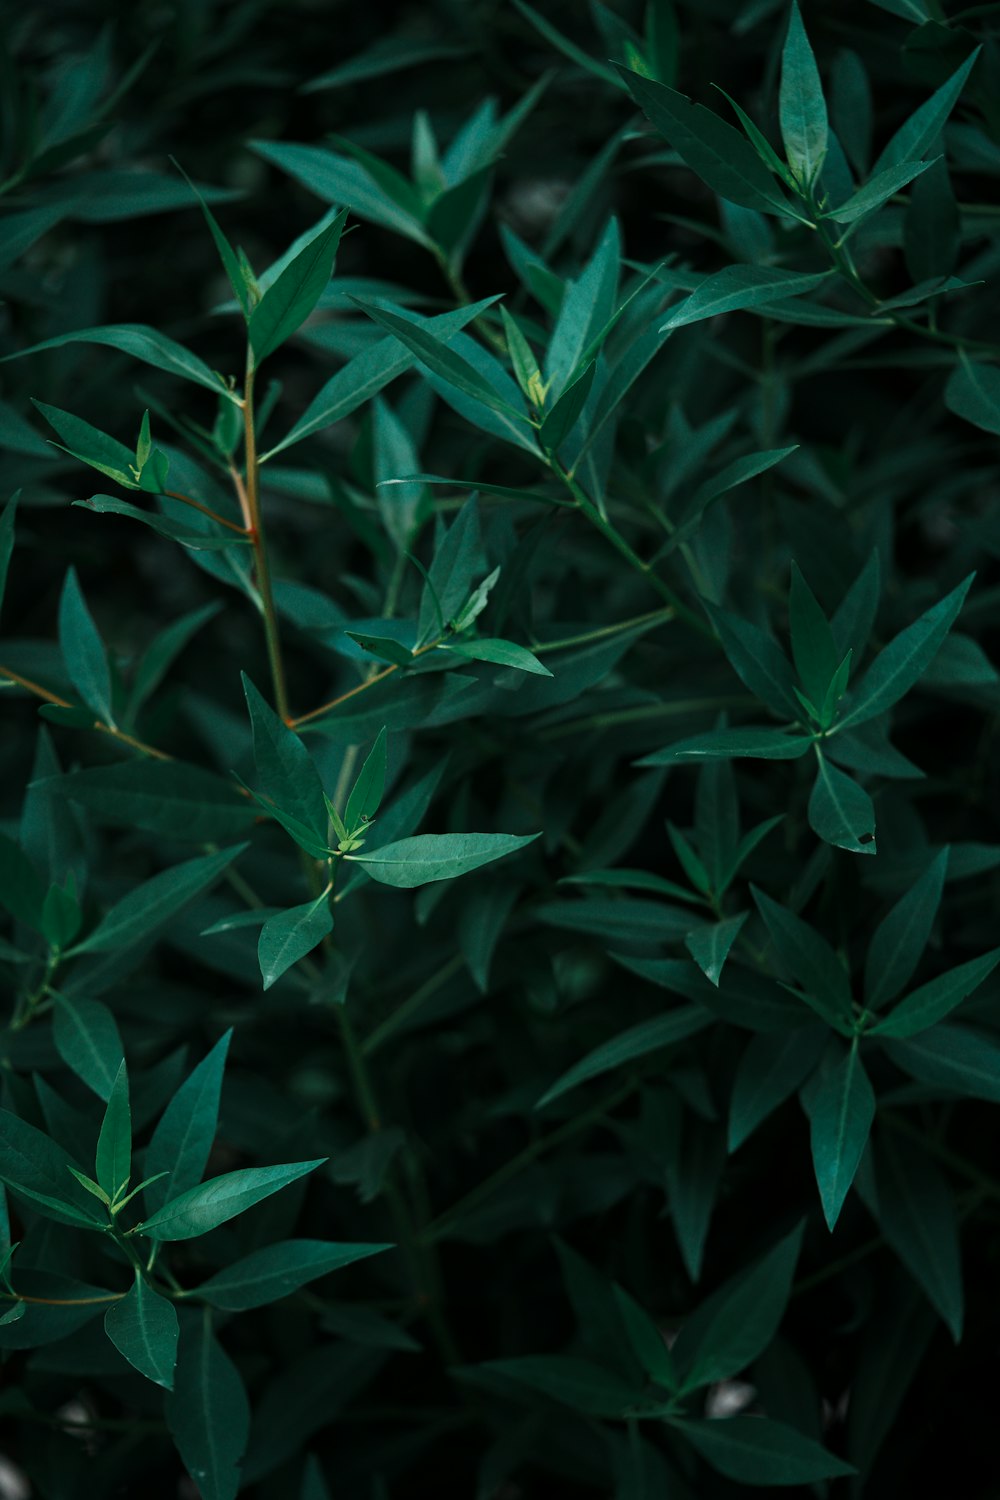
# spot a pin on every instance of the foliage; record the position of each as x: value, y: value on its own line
x: 499, y: 850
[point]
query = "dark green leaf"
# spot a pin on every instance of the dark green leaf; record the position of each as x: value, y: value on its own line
x: 144, y: 1328
x: 83, y: 651
x: 916, y: 1213
x: 151, y: 905
x: 86, y: 1037
x: 114, y: 1144
x: 290, y: 935
x: 183, y: 1137
x: 901, y: 936
x: 208, y: 1413
x: 759, y: 1451
x: 638, y: 1041
x: 802, y: 106
x: 278, y: 1270
x: 437, y: 856
x: 219, y: 1199
x: 925, y: 1006
x: 840, y: 811
x: 841, y: 1116
x: 287, y: 303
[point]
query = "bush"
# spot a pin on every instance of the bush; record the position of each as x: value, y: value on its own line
x: 499, y: 841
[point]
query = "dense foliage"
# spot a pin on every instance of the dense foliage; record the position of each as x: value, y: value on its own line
x: 498, y: 816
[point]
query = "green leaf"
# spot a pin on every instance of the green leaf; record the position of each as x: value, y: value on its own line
x: 921, y: 130
x: 372, y: 188
x: 143, y: 1327
x: 916, y: 1213
x: 709, y: 945
x: 452, y: 570
x: 900, y: 664
x: 751, y: 742
x: 801, y: 105
x: 368, y: 373
x: 287, y: 303
x: 579, y: 1383
x: 648, y: 1344
x: 810, y: 959
x: 738, y: 1322
x: 758, y: 661
x: 560, y: 421
x: 227, y: 255
x: 114, y: 1144
x: 87, y: 1039
x: 212, y: 539
x: 208, y: 1413
x: 601, y: 1327
x: 719, y: 154
x: 954, y: 1058
x: 22, y: 890
x: 441, y: 360
x: 877, y: 191
x: 973, y: 392
x: 142, y: 343
x: 83, y: 651
x: 221, y: 1198
x: 182, y: 1140
x: 925, y: 1006
x: 841, y: 1116
x: 855, y: 615
x: 287, y: 775
x: 290, y: 935
x: 437, y: 856
x: 39, y: 1171
x: 638, y: 1041
x: 900, y: 938
x: 814, y: 650
x: 151, y: 905
x: 736, y: 288
x: 390, y: 54
x: 501, y: 653
x: 840, y: 811
x: 366, y: 794
x: 278, y: 1270
x: 771, y: 1069
x: 759, y: 1451
x: 587, y: 306
x: 164, y: 797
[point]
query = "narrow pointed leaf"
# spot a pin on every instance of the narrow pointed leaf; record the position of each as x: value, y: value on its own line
x: 437, y: 856
x: 901, y: 936
x: 932, y: 1002
x: 183, y: 1137
x: 709, y: 945
x: 219, y: 1199
x: 151, y: 905
x: 287, y: 303
x: 114, y: 1144
x: 278, y: 1270
x: 842, y: 1114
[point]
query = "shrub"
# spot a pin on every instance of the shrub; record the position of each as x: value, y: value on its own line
x: 499, y: 840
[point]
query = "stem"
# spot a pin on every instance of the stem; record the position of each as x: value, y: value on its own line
x: 251, y: 498
x: 115, y: 733
x: 325, y: 708
x: 207, y: 511
x: 440, y: 1226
